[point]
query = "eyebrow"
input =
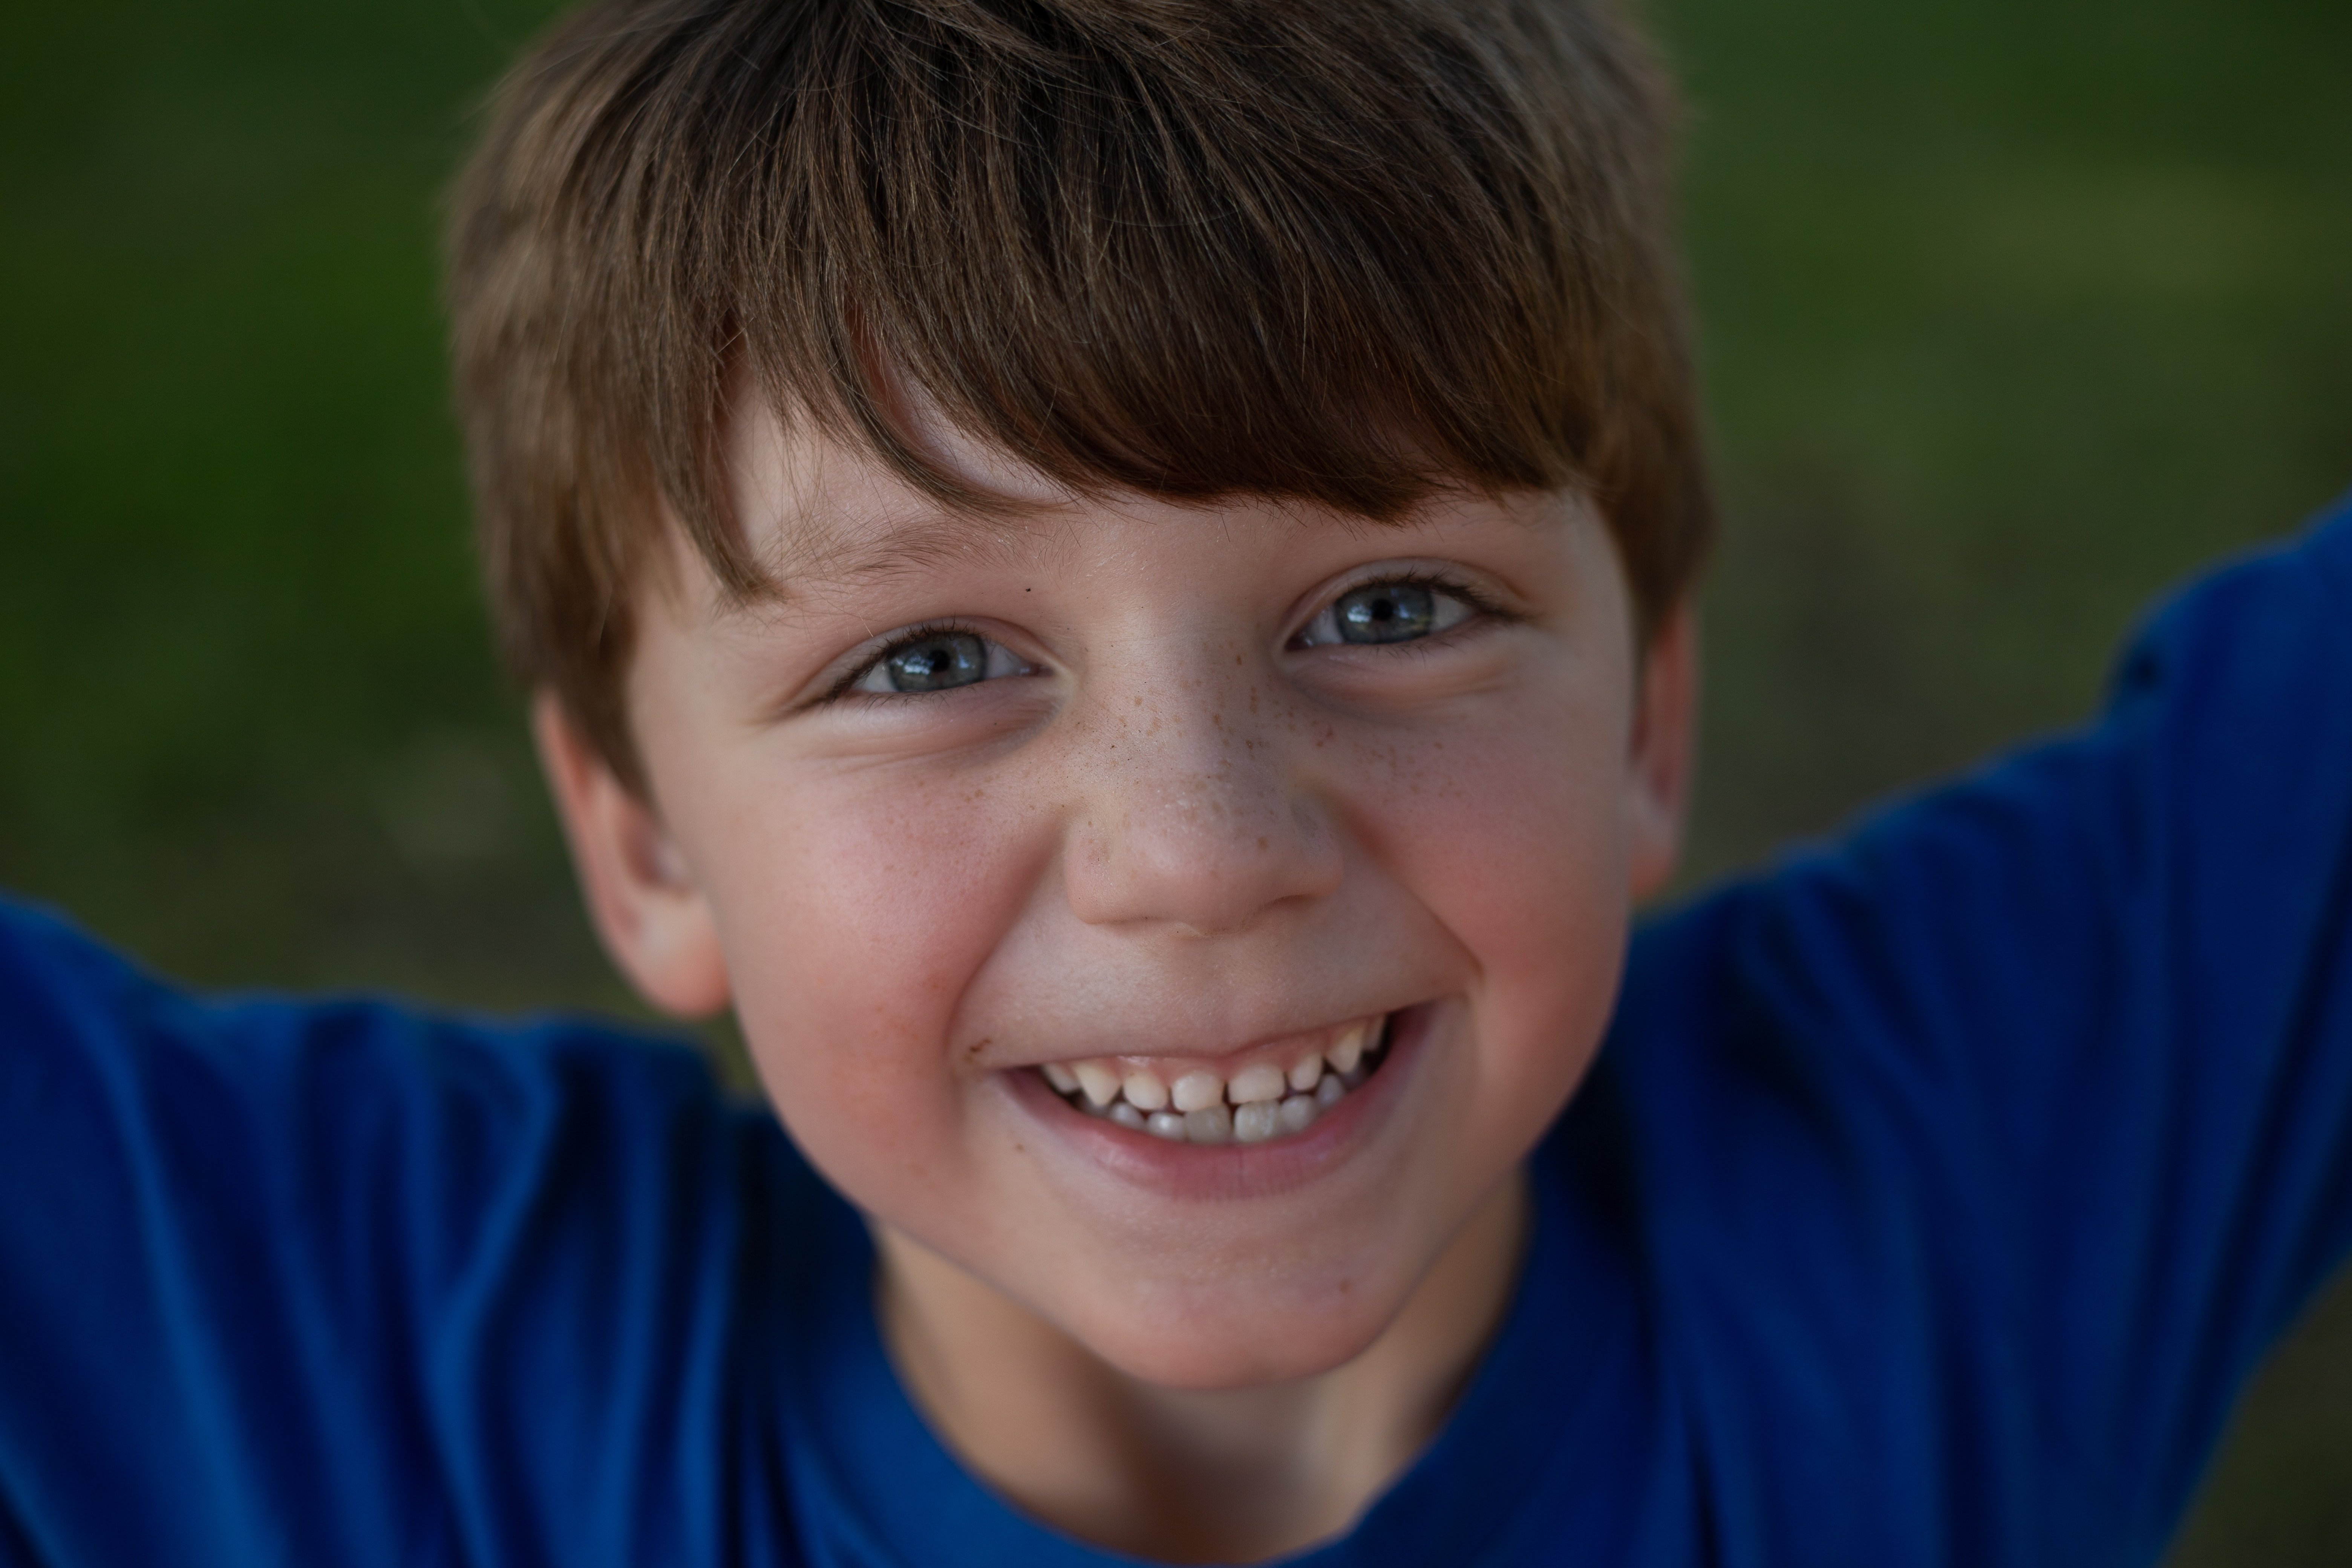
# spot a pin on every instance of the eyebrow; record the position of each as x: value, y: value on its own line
x: 814, y: 556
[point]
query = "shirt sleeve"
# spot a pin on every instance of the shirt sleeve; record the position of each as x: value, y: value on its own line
x: 342, y: 1284
x: 1987, y: 1149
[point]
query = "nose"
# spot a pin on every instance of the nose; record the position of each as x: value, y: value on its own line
x: 1194, y: 817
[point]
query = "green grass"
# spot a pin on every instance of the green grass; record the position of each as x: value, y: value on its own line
x: 2014, y: 312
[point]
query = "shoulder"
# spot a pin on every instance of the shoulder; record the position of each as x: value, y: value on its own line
x: 354, y: 1254
x: 268, y: 1123
x: 2158, y: 889
x: 84, y: 1024
x: 2044, y: 1071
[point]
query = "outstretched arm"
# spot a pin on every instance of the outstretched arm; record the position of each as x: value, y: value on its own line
x: 1987, y: 1149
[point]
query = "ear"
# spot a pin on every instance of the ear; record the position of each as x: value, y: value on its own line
x: 1664, y: 753
x: 643, y: 897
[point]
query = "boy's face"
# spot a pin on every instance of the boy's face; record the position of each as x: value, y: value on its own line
x: 1196, y: 788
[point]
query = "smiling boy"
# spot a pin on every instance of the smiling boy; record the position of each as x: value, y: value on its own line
x: 1300, y: 847
x: 1114, y: 580
x: 1157, y: 748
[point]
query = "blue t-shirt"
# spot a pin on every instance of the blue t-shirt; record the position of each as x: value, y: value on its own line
x: 1934, y: 1195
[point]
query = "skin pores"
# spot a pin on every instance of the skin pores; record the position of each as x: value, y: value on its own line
x: 1173, y: 787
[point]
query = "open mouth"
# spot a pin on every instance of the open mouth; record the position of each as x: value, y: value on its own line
x: 1275, y: 1096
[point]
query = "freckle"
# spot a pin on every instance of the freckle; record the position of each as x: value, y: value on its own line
x: 1261, y: 843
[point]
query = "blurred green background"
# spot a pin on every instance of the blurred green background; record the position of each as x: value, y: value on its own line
x: 2014, y: 310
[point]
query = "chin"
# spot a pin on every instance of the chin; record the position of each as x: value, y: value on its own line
x: 1239, y: 1339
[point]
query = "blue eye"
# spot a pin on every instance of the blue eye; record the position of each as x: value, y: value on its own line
x: 1399, y: 610
x: 1386, y: 612
x: 937, y: 661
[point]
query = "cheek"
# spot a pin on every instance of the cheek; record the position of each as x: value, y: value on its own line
x: 1513, y: 838
x: 853, y: 912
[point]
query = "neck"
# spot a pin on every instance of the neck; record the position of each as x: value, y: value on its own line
x: 1184, y: 1475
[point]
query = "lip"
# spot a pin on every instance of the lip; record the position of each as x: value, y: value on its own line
x: 1282, y: 1049
x: 1223, y: 1172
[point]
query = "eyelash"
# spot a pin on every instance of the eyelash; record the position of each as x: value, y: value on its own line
x: 1480, y: 607
x: 845, y: 689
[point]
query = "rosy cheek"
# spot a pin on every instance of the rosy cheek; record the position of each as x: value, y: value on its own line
x: 1511, y: 818
x: 853, y: 921
x: 1512, y: 838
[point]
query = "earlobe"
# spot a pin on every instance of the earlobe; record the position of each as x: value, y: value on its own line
x: 1664, y: 753
x: 647, y: 905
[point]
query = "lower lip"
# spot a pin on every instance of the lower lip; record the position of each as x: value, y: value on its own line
x: 1221, y: 1171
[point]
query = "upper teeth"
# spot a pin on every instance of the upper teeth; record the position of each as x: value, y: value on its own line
x: 1264, y: 1100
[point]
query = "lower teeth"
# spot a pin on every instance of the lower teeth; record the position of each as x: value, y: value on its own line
x: 1256, y: 1122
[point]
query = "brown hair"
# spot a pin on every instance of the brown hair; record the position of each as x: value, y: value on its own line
x: 1344, y: 252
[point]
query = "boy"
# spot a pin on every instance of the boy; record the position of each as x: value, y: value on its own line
x: 1114, y: 580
